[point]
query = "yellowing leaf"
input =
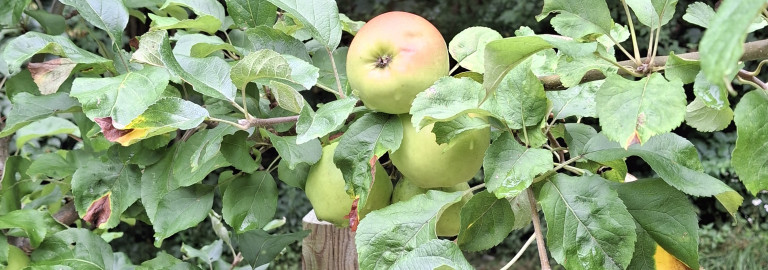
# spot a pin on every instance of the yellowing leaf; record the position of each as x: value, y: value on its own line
x: 133, y: 136
x: 665, y: 261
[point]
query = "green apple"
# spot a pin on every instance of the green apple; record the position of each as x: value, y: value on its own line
x: 429, y: 164
x: 392, y: 58
x: 449, y: 222
x: 17, y: 259
x: 325, y: 189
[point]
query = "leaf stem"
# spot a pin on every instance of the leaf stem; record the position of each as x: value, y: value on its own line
x: 472, y: 189
x: 556, y: 144
x: 628, y: 71
x: 245, y: 105
x: 543, y: 257
x: 227, y: 122
x: 622, y: 49
x: 556, y: 168
x: 453, y: 69
x: 519, y: 252
x: 270, y: 168
x: 335, y: 73
x: 632, y: 33
x: 750, y: 78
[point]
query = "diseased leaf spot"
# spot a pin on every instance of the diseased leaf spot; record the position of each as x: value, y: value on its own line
x: 99, y: 211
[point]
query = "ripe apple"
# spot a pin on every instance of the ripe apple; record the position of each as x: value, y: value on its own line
x: 325, y: 190
x: 429, y: 164
x: 449, y: 221
x: 392, y: 58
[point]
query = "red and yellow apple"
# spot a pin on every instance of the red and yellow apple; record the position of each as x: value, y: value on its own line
x: 449, y: 221
x: 429, y: 164
x: 392, y: 58
x: 325, y: 189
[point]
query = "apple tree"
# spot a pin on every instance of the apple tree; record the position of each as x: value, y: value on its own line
x: 197, y: 118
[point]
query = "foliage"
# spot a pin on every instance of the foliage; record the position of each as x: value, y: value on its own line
x: 212, y: 111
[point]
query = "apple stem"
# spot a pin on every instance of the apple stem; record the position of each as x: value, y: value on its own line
x: 543, y: 258
x: 335, y: 73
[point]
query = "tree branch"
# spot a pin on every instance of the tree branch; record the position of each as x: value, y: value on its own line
x: 543, y: 257
x: 749, y: 77
x: 752, y: 51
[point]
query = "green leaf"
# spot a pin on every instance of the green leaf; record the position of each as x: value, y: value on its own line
x: 165, y: 261
x: 504, y: 54
x: 11, y: 187
x: 576, y: 136
x: 591, y: 16
x: 584, y: 220
x: 22, y: 82
x: 123, y: 97
x: 389, y: 234
x: 104, y: 189
x: 572, y: 69
x: 578, y: 100
x: 674, y: 159
x: 707, y: 119
x: 468, y: 47
x: 207, y: 254
x: 205, y: 23
x: 19, y: 49
x: 261, y: 65
x: 521, y: 207
x: 170, y: 113
x: 107, y: 15
x: 295, y: 153
x: 265, y: 37
x: 46, y: 127
x: 236, y: 148
x: 327, y: 79
x: 328, y: 118
x: 712, y: 95
x: 76, y: 248
x: 181, y: 209
x: 367, y: 139
x: 34, y: 224
x: 349, y: 25
x: 511, y: 167
x: 296, y: 177
x: 302, y: 72
x: 653, y: 13
x: 209, y: 76
x: 10, y: 13
x: 749, y: 157
x: 250, y: 201
x: 202, y: 50
x: 633, y: 111
x: 645, y: 249
x: 249, y: 13
x: 701, y: 14
x: 519, y: 100
x: 321, y: 17
x: 149, y: 48
x: 287, y: 97
x: 258, y: 247
x: 652, y: 202
x: 52, y: 165
x: 446, y: 131
x: 485, y: 222
x: 445, y: 100
x: 681, y: 69
x: 54, y: 24
x: 435, y: 254
x: 721, y: 45
x: 173, y: 171
x: 28, y: 108
x: 208, y: 148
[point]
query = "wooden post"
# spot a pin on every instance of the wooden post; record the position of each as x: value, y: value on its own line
x: 327, y: 247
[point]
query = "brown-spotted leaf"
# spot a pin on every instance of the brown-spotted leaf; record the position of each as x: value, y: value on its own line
x: 99, y: 211
x: 49, y: 75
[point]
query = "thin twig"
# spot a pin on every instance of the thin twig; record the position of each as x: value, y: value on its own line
x: 519, y: 252
x: 749, y: 77
x: 543, y: 257
x: 556, y: 144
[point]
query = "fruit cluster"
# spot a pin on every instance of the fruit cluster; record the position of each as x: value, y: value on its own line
x: 393, y: 57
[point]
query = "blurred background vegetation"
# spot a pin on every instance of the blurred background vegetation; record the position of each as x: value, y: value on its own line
x: 726, y: 242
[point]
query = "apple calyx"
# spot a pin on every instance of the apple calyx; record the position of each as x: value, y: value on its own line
x: 383, y: 61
